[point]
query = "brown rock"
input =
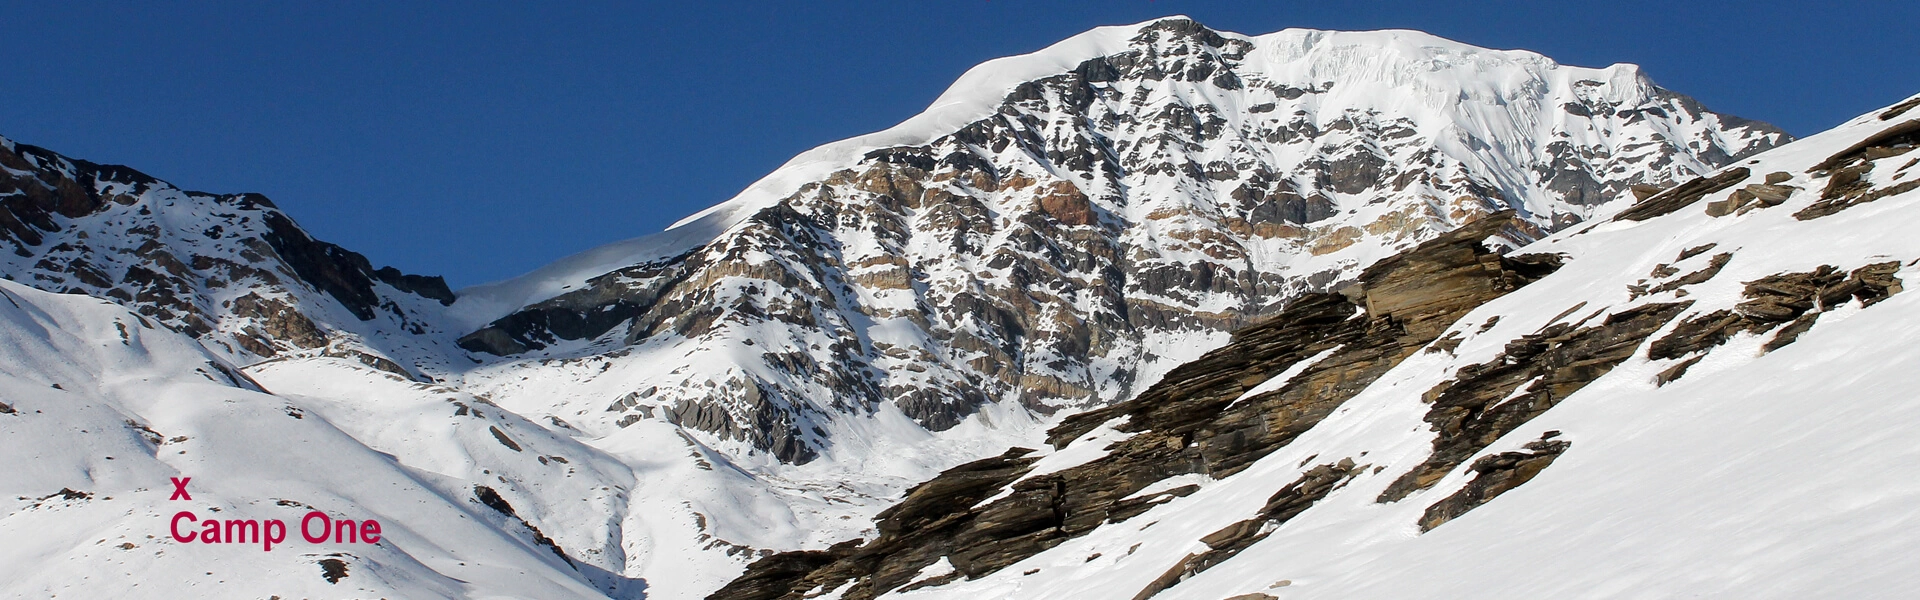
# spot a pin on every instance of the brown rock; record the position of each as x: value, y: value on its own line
x: 1642, y: 191
x: 1901, y: 136
x: 1494, y: 475
x: 1683, y: 195
x: 1768, y: 194
x: 1725, y: 207
x: 1065, y: 202
x: 1183, y: 424
x: 279, y: 321
x: 1674, y: 373
x: 1794, y: 299
x: 1289, y: 502
x: 1484, y: 402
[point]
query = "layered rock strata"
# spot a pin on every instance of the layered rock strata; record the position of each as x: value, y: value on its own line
x: 1200, y: 419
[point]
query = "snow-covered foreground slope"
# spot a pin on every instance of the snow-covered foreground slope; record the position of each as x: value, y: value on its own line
x: 648, y: 507
x: 1712, y: 396
x: 101, y: 409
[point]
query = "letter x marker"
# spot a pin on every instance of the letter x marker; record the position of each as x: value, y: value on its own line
x: 180, y: 488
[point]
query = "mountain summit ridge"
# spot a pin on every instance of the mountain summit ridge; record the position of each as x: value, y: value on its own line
x: 975, y: 95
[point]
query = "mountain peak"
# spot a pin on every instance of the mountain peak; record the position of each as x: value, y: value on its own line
x: 1554, y: 406
x: 1451, y: 89
x: 1059, y: 231
x: 1060, y: 228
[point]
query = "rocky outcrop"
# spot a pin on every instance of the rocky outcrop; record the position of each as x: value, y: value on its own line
x: 1788, y: 301
x: 1848, y: 171
x: 39, y: 185
x: 607, y: 301
x: 232, y: 270
x: 1683, y: 195
x: 275, y: 320
x: 928, y: 505
x: 1494, y: 475
x: 1658, y: 282
x: 1290, y: 501
x: 1198, y: 419
x: 491, y: 499
x: 1485, y: 401
x: 341, y: 273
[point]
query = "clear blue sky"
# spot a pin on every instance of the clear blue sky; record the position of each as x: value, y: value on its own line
x: 482, y: 141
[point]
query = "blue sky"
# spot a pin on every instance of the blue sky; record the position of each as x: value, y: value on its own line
x: 479, y: 140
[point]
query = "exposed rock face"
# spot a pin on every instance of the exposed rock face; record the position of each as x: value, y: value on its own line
x: 1494, y: 475
x: 230, y: 269
x: 1102, y: 223
x: 792, y: 297
x: 487, y: 496
x: 1290, y: 501
x: 609, y: 300
x: 1848, y: 183
x: 1484, y: 401
x: 1789, y: 301
x: 1682, y: 196
x: 1199, y: 419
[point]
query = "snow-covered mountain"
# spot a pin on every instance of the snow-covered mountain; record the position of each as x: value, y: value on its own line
x: 1061, y: 228
x: 1058, y: 232
x: 1708, y: 394
x: 229, y: 269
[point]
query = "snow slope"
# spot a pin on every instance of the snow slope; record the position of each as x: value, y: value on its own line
x: 103, y: 408
x: 1762, y: 471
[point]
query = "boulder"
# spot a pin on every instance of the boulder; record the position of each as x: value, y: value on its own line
x: 1770, y: 194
